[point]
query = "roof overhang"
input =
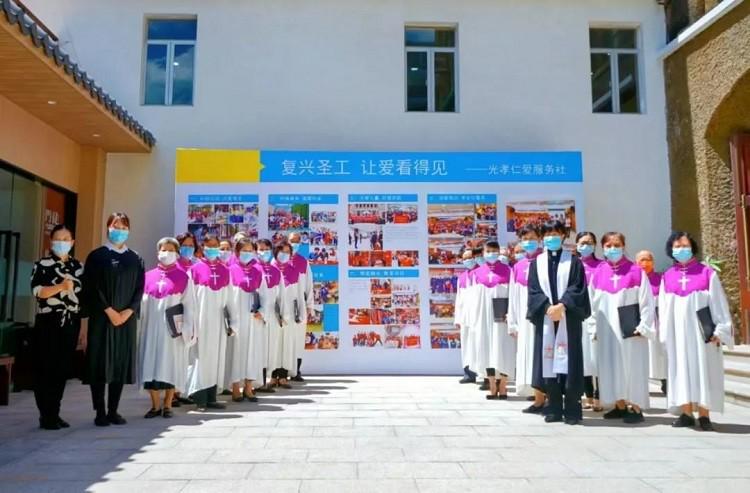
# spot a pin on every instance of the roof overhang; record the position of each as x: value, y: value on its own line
x: 39, y: 77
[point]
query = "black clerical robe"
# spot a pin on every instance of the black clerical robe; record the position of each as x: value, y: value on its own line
x: 111, y: 279
x: 575, y: 297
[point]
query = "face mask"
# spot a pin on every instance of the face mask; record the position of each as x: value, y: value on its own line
x: 647, y: 266
x: 266, y: 255
x: 552, y: 243
x: 118, y: 236
x: 585, y: 250
x: 529, y: 246
x: 282, y: 257
x: 61, y: 248
x: 491, y: 257
x: 469, y: 263
x: 247, y: 257
x: 167, y: 258
x: 187, y: 251
x: 682, y: 254
x: 225, y: 255
x: 480, y: 260
x: 613, y: 254
x: 504, y: 259
x: 211, y: 253
x: 520, y: 256
x: 295, y: 247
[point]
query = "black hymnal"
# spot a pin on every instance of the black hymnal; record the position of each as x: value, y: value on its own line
x: 277, y: 308
x: 499, y: 309
x: 254, y: 302
x: 228, y: 322
x: 297, y: 318
x: 707, y: 323
x: 630, y: 319
x: 174, y: 320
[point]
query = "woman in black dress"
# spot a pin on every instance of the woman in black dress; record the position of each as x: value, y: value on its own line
x: 56, y: 284
x: 113, y: 286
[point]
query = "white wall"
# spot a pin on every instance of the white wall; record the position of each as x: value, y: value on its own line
x: 329, y: 74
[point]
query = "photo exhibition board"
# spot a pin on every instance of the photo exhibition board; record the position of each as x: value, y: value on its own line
x: 383, y: 232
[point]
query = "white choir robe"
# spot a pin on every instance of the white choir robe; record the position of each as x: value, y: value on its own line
x: 464, y: 306
x: 695, y: 368
x: 501, y: 346
x: 161, y: 357
x: 248, y: 357
x: 305, y: 284
x: 622, y: 363
x: 286, y: 356
x: 208, y: 356
x: 523, y: 329
x: 657, y: 361
x: 271, y: 343
x: 589, y: 343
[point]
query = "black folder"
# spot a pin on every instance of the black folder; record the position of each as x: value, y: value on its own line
x: 499, y: 309
x: 277, y: 308
x: 228, y: 322
x: 297, y: 317
x: 254, y: 302
x: 630, y: 319
x: 174, y: 320
x: 707, y: 323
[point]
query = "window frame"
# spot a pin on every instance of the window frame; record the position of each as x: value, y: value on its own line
x: 614, y: 63
x: 430, y: 51
x: 170, y: 45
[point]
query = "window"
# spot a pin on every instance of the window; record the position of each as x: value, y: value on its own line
x: 431, y: 77
x: 170, y: 58
x: 614, y: 70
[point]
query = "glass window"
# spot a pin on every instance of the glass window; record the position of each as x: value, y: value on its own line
x: 614, y: 71
x: 431, y: 77
x: 170, y: 62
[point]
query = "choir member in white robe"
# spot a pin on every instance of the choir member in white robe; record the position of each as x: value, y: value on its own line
x: 695, y: 366
x: 227, y: 258
x: 657, y: 362
x: 214, y: 319
x: 292, y: 303
x: 463, y: 307
x: 189, y: 254
x: 248, y: 286
x: 558, y: 305
x: 162, y: 354
x: 306, y: 285
x: 518, y: 325
x: 473, y: 315
x: 271, y: 301
x: 620, y: 286
x: 496, y: 346
x: 586, y: 249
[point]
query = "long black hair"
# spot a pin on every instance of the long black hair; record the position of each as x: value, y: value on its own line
x: 678, y: 235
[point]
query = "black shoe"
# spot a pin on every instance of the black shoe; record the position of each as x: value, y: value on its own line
x: 616, y: 413
x: 185, y: 400
x: 485, y: 385
x: 167, y: 413
x: 62, y: 423
x: 553, y: 418
x: 502, y: 397
x: 176, y: 403
x: 633, y: 417
x: 116, y: 419
x: 152, y: 413
x: 226, y: 392
x: 251, y: 398
x: 492, y: 397
x: 101, y: 420
x: 684, y: 421
x: 468, y: 379
x: 704, y: 423
x: 265, y: 390
x: 238, y: 399
x: 298, y: 378
x: 48, y: 424
x: 572, y: 421
x: 215, y: 405
x: 532, y: 409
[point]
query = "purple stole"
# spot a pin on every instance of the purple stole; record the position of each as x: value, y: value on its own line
x: 165, y: 281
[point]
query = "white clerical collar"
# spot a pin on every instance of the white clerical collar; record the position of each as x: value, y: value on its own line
x: 115, y: 249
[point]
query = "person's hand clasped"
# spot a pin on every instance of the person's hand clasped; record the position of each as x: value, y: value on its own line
x: 715, y: 340
x: 68, y: 285
x: 556, y: 312
x: 114, y: 317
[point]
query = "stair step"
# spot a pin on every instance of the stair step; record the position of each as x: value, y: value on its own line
x: 737, y: 392
x: 742, y: 352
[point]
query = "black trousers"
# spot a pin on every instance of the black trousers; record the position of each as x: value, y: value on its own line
x: 53, y: 344
x: 204, y: 396
x: 561, y: 402
x: 591, y: 390
x: 113, y: 397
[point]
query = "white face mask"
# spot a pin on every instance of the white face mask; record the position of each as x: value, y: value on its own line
x: 167, y: 258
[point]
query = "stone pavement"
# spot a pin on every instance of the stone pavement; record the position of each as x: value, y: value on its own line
x: 362, y: 434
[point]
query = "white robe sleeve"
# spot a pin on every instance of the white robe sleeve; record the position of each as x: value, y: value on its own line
x: 230, y: 303
x: 665, y: 314
x: 189, y: 334
x: 266, y: 301
x: 309, y: 296
x: 646, y: 303
x: 717, y: 302
x: 458, y: 308
x: 283, y: 301
x: 513, y: 309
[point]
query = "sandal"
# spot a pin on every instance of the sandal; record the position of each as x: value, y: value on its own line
x: 167, y: 413
x: 238, y: 399
x: 152, y: 413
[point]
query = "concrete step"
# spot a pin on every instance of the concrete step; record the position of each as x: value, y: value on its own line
x: 737, y: 392
x: 737, y: 375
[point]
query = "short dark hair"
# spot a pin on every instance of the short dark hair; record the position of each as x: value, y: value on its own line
x: 279, y: 247
x: 585, y: 233
x: 613, y: 234
x: 242, y: 243
x: 477, y: 251
x: 530, y: 227
x: 264, y: 242
x: 678, y: 235
x: 118, y: 216
x: 60, y: 227
x: 211, y: 237
x: 553, y: 226
x: 184, y: 236
x: 492, y: 244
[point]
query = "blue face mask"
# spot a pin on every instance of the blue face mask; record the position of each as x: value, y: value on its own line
x: 211, y: 253
x: 553, y: 243
x: 504, y: 259
x: 266, y: 255
x: 247, y: 257
x: 118, y: 236
x: 682, y: 254
x: 61, y: 248
x: 530, y: 246
x: 480, y: 260
x: 491, y: 257
x: 295, y: 247
x: 225, y: 255
x: 520, y: 256
x: 469, y: 263
x: 282, y: 257
x: 585, y: 250
x: 613, y: 254
x: 187, y: 252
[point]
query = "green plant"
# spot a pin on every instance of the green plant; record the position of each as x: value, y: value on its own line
x: 713, y: 262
